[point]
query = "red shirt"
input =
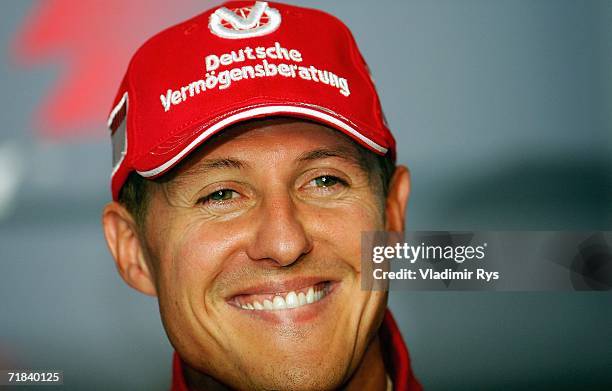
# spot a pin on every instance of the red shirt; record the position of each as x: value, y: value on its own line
x: 395, y: 354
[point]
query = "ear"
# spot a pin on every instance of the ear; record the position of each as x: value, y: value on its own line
x: 123, y: 240
x: 397, y: 199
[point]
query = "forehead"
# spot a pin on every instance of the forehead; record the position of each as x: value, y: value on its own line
x: 262, y: 141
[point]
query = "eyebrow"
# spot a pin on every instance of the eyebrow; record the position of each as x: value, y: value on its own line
x: 203, y: 167
x: 324, y: 153
x: 214, y: 164
x: 344, y: 153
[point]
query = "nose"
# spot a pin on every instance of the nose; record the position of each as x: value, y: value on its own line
x: 280, y: 235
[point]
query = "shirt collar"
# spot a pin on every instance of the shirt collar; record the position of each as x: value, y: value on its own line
x: 395, y: 354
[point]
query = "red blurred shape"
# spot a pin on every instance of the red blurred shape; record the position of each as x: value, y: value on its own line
x: 92, y: 42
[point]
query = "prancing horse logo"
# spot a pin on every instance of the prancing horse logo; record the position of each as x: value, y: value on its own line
x: 244, y: 22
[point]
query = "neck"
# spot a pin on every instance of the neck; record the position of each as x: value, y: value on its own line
x: 370, y: 374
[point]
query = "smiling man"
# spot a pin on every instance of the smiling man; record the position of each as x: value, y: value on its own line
x: 248, y: 159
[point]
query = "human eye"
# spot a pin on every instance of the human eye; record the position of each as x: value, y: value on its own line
x: 219, y: 197
x: 327, y: 181
x: 326, y: 184
x: 225, y: 198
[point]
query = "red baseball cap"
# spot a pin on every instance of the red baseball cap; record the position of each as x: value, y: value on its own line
x: 239, y: 61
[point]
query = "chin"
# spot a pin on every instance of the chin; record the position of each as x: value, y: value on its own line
x: 322, y: 373
x: 289, y: 358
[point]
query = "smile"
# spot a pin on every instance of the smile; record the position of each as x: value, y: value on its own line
x: 279, y: 301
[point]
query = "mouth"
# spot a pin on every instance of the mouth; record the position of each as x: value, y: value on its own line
x: 282, y: 299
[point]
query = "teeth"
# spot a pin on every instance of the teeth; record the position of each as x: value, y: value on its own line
x: 310, y: 296
x: 279, y: 303
x: 291, y: 300
x: 302, y: 298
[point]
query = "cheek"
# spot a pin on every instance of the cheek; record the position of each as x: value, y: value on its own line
x: 192, y: 259
x: 189, y: 294
x: 342, y: 227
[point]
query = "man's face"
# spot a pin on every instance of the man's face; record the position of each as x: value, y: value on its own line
x: 255, y: 251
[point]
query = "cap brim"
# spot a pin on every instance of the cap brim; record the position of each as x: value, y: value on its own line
x: 182, y: 145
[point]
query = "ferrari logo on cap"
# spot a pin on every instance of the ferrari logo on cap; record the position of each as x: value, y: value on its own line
x: 244, y: 22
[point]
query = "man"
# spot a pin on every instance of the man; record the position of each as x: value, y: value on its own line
x: 250, y: 153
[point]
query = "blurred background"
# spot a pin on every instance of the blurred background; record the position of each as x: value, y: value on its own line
x: 501, y: 109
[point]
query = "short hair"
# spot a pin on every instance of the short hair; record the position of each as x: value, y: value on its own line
x: 134, y: 194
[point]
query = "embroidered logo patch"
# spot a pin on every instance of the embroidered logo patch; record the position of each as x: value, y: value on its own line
x: 244, y: 22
